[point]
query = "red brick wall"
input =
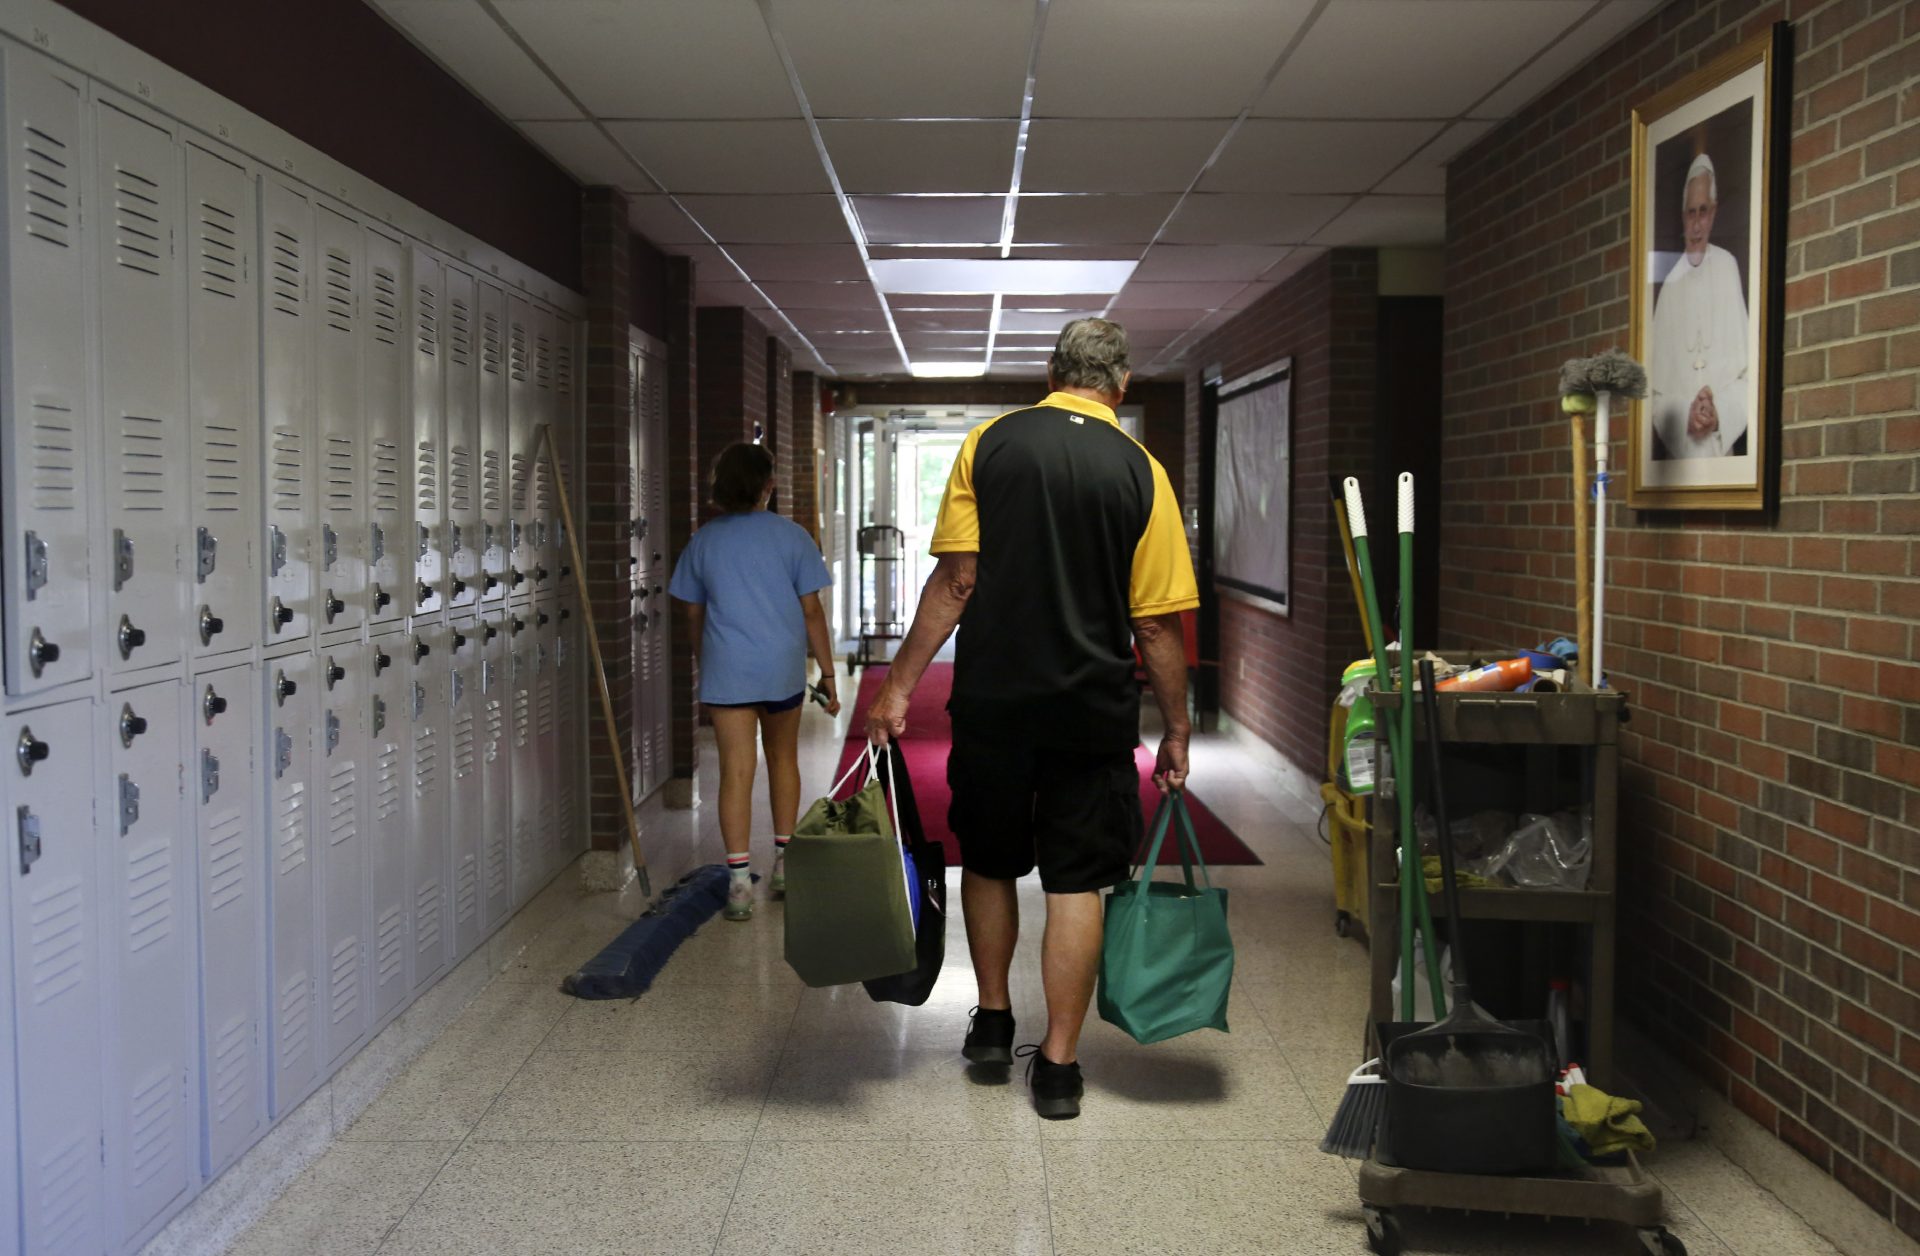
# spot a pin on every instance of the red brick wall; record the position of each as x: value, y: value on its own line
x: 732, y: 347
x: 685, y: 480
x: 1771, y: 799
x: 806, y: 442
x: 1278, y: 673
x: 779, y: 404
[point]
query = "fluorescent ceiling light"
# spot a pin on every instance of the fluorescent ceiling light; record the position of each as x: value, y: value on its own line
x: 1023, y: 275
x: 948, y: 370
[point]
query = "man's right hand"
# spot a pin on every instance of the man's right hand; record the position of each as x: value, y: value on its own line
x: 1170, y: 765
x: 887, y: 717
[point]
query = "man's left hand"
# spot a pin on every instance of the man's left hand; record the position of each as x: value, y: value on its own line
x: 887, y: 717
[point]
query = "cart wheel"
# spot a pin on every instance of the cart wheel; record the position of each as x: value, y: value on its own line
x: 853, y: 660
x: 1661, y: 1241
x: 1342, y: 923
x: 1383, y: 1231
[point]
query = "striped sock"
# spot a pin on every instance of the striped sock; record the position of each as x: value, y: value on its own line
x: 780, y: 840
x: 737, y: 865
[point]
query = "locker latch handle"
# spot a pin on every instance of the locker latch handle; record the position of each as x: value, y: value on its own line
x: 379, y: 548
x: 334, y: 606
x: 459, y: 586
x: 459, y: 688
x: 333, y: 732
x: 41, y: 652
x: 282, y: 752
x: 283, y: 688
x: 459, y: 640
x: 423, y: 593
x: 541, y: 619
x: 129, y: 804
x: 458, y: 541
x: 130, y: 638
x: 379, y: 716
x: 329, y: 546
x: 280, y: 614
x: 420, y: 649
x: 381, y: 661
x: 493, y: 581
x: 514, y: 577
x: 380, y: 598
x: 335, y: 672
x: 419, y: 700
x: 122, y: 559
x: 211, y: 705
x: 36, y: 565
x: 276, y: 548
x: 539, y: 573
x: 206, y: 550
x: 209, y: 775
x: 490, y: 631
x: 30, y: 750
x: 210, y: 624
x: 131, y: 725
x: 29, y: 838
x: 516, y: 625
x: 425, y: 539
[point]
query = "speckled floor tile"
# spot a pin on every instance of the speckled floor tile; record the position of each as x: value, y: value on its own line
x: 509, y: 1016
x: 346, y: 1201
x: 442, y: 1094
x: 609, y: 1095
x: 581, y: 1199
x: 1191, y: 1094
x: 890, y: 1095
x: 1747, y: 1217
x: 740, y: 1016
x: 845, y: 1018
x: 804, y: 1198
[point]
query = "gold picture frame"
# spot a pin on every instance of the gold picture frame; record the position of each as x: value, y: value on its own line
x: 1709, y: 175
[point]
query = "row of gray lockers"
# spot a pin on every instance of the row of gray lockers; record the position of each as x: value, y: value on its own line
x: 293, y: 683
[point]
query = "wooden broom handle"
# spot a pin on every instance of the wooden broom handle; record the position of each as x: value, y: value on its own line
x: 1582, y: 582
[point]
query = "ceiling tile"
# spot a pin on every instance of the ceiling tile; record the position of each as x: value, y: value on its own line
x: 963, y: 252
x: 1384, y: 58
x: 791, y: 295
x: 760, y: 156
x: 1032, y: 320
x: 1607, y: 24
x: 660, y: 220
x: 1091, y: 219
x: 930, y: 219
x: 585, y: 153
x: 887, y: 59
x: 709, y: 261
x: 1117, y: 155
x: 724, y: 293
x: 1169, y: 262
x: 770, y: 219
x: 1152, y: 59
x: 1426, y: 173
x: 1243, y: 218
x: 1294, y: 158
x: 661, y: 59
x: 922, y: 321
x: 822, y: 322
x: 1382, y: 220
x: 1176, y: 296
x: 946, y: 349
x: 1156, y: 320
x: 1079, y: 252
x: 818, y: 263
x: 1292, y: 264
x: 470, y: 45
x: 942, y: 301
x: 1055, y: 300
x: 895, y: 156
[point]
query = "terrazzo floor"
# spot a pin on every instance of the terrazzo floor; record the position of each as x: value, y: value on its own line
x: 732, y: 1110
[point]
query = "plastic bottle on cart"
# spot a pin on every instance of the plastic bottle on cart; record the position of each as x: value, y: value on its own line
x: 1557, y: 1016
x: 1502, y: 677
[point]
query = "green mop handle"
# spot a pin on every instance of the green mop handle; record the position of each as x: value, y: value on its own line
x: 1363, y: 555
x: 1403, y: 784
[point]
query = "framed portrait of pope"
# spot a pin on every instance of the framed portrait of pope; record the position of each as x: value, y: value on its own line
x: 1708, y: 170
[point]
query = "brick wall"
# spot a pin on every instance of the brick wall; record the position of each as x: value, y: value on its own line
x: 684, y: 494
x: 807, y: 442
x: 1278, y: 673
x: 779, y: 404
x: 1771, y: 800
x: 732, y: 348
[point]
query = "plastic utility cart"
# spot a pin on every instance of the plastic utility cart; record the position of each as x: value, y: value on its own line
x: 883, y: 551
x: 1518, y: 752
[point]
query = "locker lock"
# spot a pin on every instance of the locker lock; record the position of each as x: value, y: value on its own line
x: 420, y: 649
x: 335, y: 672
x: 514, y: 577
x: 380, y: 598
x: 131, y: 725
x: 565, y: 614
x: 283, y: 688
x: 632, y: 562
x: 279, y: 614
x: 381, y: 661
x: 565, y: 571
x: 489, y: 631
x: 515, y: 625
x: 29, y: 750
x: 541, y: 619
x: 212, y: 704
x: 334, y: 606
x: 539, y: 573
x: 493, y: 581
x: 423, y: 593
x: 41, y: 652
x: 130, y: 638
x: 459, y: 640
x: 459, y: 586
x: 210, y: 624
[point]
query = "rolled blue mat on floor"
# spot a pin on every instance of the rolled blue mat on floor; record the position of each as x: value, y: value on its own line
x: 627, y: 967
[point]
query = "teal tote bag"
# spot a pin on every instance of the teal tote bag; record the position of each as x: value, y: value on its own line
x: 1166, y: 964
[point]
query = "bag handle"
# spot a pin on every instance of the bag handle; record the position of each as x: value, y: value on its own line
x: 1173, y: 804
x: 859, y: 761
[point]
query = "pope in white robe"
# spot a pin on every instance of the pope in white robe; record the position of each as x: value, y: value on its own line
x: 1699, y: 341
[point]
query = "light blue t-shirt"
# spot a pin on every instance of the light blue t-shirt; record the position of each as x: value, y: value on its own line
x: 750, y: 570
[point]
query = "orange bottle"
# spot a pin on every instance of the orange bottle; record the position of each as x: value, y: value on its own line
x: 1502, y: 677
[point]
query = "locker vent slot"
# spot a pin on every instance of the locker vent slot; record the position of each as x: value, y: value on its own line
x: 344, y: 977
x: 284, y: 278
x: 563, y: 368
x: 490, y: 481
x: 226, y: 861
x: 496, y: 865
x: 522, y: 716
x: 58, y: 939
x: 48, y: 186
x: 292, y: 825
x: 466, y: 886
x: 522, y: 468
x: 386, y: 476
x: 460, y: 478
x: 143, y: 463
x: 219, y: 251
x: 426, y: 762
x: 150, y: 897
x: 386, y: 306
x: 490, y: 343
x: 136, y: 222
x: 427, y: 329
x: 517, y: 353
x: 542, y: 362
x: 232, y: 1067
x: 543, y: 706
x: 426, y: 918
x: 295, y: 1020
x: 289, y: 459
x: 495, y: 729
x: 63, y: 1191
x: 343, y: 785
x: 388, y: 956
x: 464, y: 745
x: 428, y: 497
x: 340, y: 477
x: 220, y: 468
x: 386, y: 797
x: 523, y: 839
x: 339, y: 298
x: 55, y: 455
x: 154, y: 1128
x: 459, y: 333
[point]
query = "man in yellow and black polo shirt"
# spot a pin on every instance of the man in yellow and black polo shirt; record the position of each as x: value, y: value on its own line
x: 1059, y: 546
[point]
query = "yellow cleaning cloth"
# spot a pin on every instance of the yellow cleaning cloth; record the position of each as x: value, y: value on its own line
x: 1430, y: 865
x: 1609, y: 1125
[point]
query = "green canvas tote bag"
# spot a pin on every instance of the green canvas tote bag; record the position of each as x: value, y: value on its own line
x: 849, y: 916
x: 1166, y: 964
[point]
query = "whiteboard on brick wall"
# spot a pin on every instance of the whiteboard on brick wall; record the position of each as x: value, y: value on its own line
x: 1253, y: 486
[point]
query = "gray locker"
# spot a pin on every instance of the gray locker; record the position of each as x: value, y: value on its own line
x: 546, y: 510
x: 546, y: 730
x: 389, y: 742
x: 466, y: 784
x: 522, y: 418
x: 427, y: 854
x: 53, y: 873
x: 148, y: 955
x: 340, y: 766
x: 464, y: 532
x: 570, y: 669
x: 45, y: 477
x: 566, y: 439
x: 142, y: 355
x: 223, y: 782
x: 223, y: 359
x: 389, y: 433
x: 496, y: 810
x: 340, y: 567
x: 292, y: 924
x: 428, y: 594
x: 523, y: 755
x: 490, y: 305
x: 286, y: 396
x: 9, y: 1095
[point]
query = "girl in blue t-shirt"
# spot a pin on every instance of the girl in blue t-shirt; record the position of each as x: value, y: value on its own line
x: 752, y: 583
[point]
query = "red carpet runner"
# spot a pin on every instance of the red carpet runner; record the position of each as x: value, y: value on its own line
x: 929, y: 737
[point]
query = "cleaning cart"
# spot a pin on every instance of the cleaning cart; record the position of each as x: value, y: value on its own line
x: 1349, y: 780
x: 883, y: 592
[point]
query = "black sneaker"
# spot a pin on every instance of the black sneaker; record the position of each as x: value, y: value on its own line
x: 989, y: 1037
x: 1056, y: 1087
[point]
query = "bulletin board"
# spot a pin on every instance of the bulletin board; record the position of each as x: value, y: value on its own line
x: 1252, y: 486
